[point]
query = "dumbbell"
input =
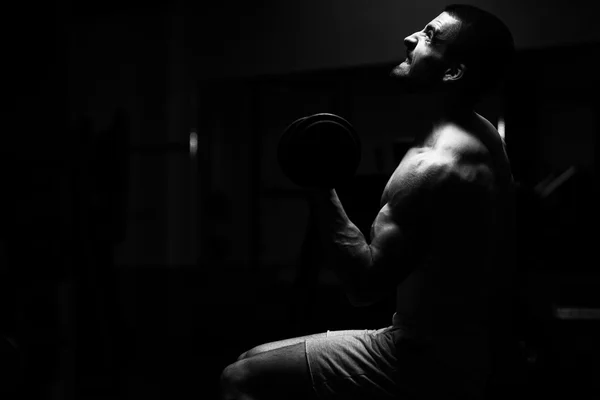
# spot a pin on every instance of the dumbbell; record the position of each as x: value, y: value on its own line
x: 320, y: 151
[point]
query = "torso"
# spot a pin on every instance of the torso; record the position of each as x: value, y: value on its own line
x: 443, y: 299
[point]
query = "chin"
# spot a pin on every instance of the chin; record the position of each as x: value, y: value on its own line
x: 400, y: 71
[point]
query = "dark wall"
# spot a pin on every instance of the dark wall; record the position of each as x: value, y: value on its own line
x: 97, y: 175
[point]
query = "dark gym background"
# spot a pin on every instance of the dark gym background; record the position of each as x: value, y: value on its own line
x: 137, y: 264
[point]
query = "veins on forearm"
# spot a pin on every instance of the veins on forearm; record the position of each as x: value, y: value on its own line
x: 342, y: 237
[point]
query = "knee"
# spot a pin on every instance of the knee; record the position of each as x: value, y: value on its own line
x: 233, y: 377
x: 252, y: 352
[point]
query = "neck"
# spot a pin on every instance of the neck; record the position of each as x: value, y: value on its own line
x: 440, y: 111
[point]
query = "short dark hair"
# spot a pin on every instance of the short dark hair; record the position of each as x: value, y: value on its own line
x: 485, y: 45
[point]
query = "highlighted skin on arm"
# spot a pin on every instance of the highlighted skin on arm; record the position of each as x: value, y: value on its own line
x: 431, y: 207
x: 371, y: 270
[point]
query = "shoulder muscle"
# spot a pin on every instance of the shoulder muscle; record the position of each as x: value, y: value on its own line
x: 441, y: 185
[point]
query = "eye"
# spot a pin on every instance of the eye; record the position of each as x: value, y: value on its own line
x: 429, y: 34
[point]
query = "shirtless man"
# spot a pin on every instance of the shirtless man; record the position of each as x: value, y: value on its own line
x: 438, y: 241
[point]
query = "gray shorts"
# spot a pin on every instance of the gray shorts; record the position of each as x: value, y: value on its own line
x: 379, y: 364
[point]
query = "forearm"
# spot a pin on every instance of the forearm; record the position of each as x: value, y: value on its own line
x: 341, y: 238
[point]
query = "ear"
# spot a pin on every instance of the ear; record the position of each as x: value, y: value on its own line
x: 454, y: 73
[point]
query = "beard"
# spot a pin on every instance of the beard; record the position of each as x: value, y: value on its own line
x: 400, y: 71
x: 409, y: 80
x: 404, y: 81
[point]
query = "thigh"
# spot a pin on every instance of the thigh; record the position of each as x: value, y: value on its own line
x: 301, y: 339
x: 354, y: 364
x: 279, y: 344
x: 280, y: 373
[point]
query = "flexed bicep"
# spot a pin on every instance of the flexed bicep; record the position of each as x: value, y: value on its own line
x: 395, y: 253
x: 402, y: 233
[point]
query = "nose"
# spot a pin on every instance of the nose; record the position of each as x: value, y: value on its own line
x: 410, y: 41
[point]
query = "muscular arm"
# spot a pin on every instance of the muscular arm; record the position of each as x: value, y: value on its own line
x: 436, y: 193
x: 370, y: 269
